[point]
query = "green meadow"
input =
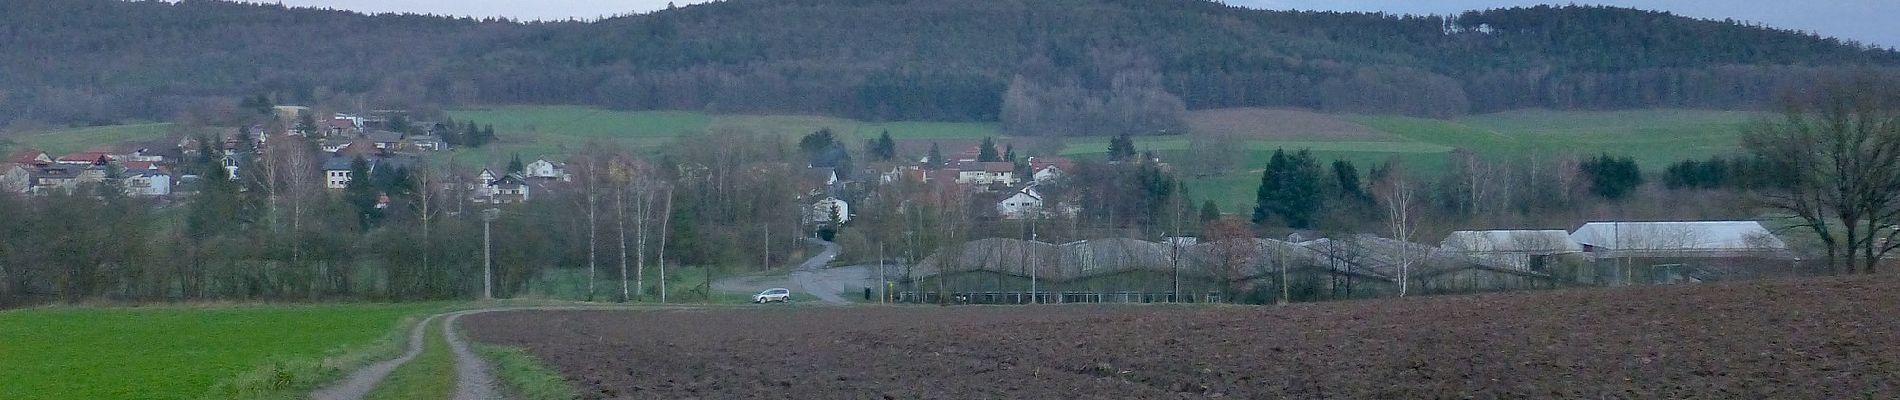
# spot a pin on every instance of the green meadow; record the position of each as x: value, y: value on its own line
x: 62, y: 141
x: 172, y: 352
x: 555, y: 131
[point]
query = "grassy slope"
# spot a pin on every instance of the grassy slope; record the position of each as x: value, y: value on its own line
x: 553, y: 131
x: 1654, y: 137
x: 169, y: 352
x: 76, y: 139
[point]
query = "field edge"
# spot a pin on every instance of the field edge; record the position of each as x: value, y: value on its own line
x: 525, y: 377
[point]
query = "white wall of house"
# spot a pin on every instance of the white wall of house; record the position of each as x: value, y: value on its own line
x: 1048, y: 173
x: 980, y: 177
x: 151, y: 185
x: 546, y: 170
x: 824, y: 210
x: 336, y: 179
x: 1024, y: 204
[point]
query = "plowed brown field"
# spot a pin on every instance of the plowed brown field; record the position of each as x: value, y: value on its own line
x: 1816, y: 338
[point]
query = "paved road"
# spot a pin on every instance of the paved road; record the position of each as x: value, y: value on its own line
x: 808, y: 275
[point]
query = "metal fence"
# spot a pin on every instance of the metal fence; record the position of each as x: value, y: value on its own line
x: 1056, y: 297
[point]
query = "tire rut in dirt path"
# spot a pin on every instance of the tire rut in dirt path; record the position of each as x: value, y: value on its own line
x: 474, y: 380
x: 358, y: 384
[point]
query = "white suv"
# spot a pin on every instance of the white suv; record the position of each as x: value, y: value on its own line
x: 774, y: 294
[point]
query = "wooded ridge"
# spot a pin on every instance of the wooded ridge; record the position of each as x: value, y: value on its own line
x: 1040, y: 63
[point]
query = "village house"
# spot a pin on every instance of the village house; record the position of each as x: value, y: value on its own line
x: 343, y: 125
x: 86, y: 158
x: 428, y: 142
x: 332, y: 145
x: 1025, y: 203
x: 828, y: 210
x: 147, y: 183
x: 142, y: 155
x: 336, y: 172
x: 547, y: 170
x: 1048, y: 169
x: 384, y: 140
x: 986, y: 173
x: 500, y: 189
x: 63, y: 178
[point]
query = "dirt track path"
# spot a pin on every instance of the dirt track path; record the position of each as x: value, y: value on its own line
x: 359, y: 383
x: 474, y: 378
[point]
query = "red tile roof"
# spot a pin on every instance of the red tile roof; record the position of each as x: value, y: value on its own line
x: 85, y: 157
x: 1038, y: 163
x: 28, y: 156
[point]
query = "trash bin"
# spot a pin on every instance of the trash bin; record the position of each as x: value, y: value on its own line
x: 867, y: 293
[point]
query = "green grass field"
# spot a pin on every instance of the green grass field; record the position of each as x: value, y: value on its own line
x: 527, y: 377
x: 171, y: 352
x: 1654, y: 138
x: 64, y: 141
x: 555, y: 131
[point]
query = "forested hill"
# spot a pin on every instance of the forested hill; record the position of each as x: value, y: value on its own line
x: 80, y: 61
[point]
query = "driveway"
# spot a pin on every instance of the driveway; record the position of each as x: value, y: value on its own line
x: 812, y: 278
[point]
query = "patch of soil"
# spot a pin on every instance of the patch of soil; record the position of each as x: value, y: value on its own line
x: 1281, y: 124
x: 1816, y: 338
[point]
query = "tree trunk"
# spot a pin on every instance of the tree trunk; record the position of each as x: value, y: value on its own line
x: 593, y: 230
x: 644, y: 207
x: 666, y: 219
x: 620, y: 220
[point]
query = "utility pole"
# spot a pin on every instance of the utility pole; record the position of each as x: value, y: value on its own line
x: 1034, y: 298
x: 882, y: 292
x: 1174, y: 244
x: 488, y: 254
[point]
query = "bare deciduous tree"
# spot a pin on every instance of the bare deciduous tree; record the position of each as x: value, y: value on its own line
x: 1401, y: 207
x: 1842, y: 151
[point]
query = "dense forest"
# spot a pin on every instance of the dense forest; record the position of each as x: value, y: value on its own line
x: 1040, y: 66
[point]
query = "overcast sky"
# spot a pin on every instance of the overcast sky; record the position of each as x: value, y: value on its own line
x: 1871, y: 21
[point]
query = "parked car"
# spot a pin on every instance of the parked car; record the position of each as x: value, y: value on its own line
x: 781, y: 295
